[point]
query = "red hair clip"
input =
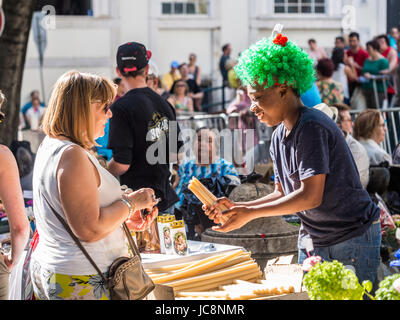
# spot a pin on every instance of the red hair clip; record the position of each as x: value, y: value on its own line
x: 281, y: 40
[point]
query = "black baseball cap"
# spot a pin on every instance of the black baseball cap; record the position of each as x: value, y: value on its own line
x: 132, y: 56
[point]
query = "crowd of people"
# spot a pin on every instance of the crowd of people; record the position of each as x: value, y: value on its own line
x: 348, y: 75
x: 98, y: 133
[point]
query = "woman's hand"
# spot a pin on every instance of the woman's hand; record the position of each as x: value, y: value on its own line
x: 143, y: 199
x: 137, y: 223
x: 238, y: 216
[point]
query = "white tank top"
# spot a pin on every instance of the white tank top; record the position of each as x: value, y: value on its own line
x: 56, y: 251
x: 340, y: 76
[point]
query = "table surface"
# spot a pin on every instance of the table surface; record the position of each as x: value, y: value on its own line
x: 197, y: 250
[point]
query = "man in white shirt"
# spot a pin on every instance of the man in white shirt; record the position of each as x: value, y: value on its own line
x: 34, y: 114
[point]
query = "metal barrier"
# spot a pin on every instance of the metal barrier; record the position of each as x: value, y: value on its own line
x: 384, y: 79
x: 222, y: 121
x: 392, y: 118
x: 208, y: 93
x: 241, y: 144
x: 199, y: 120
x: 263, y: 132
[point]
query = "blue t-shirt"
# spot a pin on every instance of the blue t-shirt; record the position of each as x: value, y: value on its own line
x: 189, y: 169
x: 312, y: 97
x: 29, y: 105
x: 316, y: 146
x: 103, y: 142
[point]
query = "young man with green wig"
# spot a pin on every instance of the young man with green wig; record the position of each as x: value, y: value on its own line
x: 315, y: 174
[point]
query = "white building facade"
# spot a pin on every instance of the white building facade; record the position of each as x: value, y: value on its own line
x: 174, y: 29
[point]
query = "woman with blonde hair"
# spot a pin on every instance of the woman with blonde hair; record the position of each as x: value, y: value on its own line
x: 370, y: 130
x: 68, y: 179
x: 13, y: 202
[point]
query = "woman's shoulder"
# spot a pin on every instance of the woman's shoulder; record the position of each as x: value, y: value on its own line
x: 74, y: 155
x: 7, y: 159
x: 6, y: 155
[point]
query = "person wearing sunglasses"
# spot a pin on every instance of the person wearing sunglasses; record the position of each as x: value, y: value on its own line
x: 13, y: 203
x: 68, y: 179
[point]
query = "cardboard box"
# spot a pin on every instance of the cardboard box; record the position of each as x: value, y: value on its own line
x: 282, y: 270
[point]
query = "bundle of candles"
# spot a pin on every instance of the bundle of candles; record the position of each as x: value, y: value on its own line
x: 205, y: 196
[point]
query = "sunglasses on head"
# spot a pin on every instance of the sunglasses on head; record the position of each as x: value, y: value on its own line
x: 2, y: 117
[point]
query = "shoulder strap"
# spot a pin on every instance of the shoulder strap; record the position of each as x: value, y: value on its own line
x: 131, y: 242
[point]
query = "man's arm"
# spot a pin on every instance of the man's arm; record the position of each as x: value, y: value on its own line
x: 277, y: 194
x: 117, y: 169
x: 308, y: 196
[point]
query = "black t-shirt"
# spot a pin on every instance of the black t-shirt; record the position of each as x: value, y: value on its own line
x: 139, y: 135
x: 317, y: 146
x: 222, y: 68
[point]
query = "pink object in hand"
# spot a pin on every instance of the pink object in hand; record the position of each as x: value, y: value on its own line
x: 311, y: 262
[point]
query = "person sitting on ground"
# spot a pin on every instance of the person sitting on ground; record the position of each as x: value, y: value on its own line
x: 331, y: 91
x: 34, y: 115
x: 180, y: 98
x: 370, y: 131
x: 373, y: 66
x: 345, y: 123
x: 169, y: 78
x: 13, y: 202
x: 69, y: 180
x: 205, y: 163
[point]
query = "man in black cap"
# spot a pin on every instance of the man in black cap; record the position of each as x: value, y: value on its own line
x: 141, y: 120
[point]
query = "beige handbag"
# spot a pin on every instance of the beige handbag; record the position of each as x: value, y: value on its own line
x: 127, y: 279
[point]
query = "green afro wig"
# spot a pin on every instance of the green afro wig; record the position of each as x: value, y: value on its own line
x: 276, y: 61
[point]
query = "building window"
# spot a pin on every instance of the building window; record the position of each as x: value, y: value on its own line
x: 67, y: 7
x: 300, y: 6
x: 185, y: 7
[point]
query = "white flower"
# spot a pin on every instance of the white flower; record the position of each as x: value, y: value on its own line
x: 396, y: 285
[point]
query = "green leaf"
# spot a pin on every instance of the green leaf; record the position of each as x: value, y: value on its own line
x: 367, y: 285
